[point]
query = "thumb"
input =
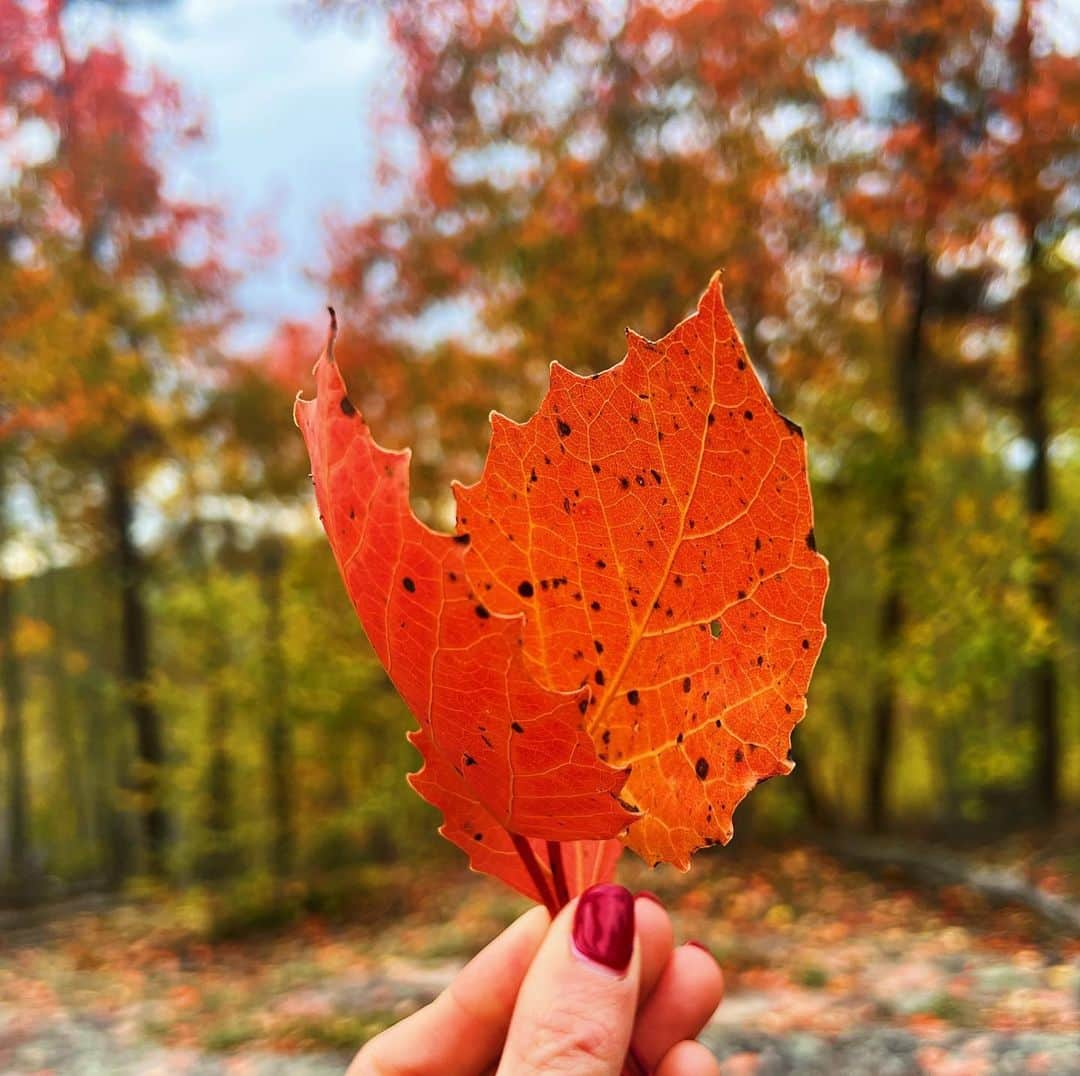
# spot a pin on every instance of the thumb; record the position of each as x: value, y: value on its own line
x: 575, y: 1010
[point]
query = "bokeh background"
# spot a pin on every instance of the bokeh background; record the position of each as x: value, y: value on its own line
x: 208, y: 853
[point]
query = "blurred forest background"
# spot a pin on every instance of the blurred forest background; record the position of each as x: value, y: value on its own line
x: 892, y: 191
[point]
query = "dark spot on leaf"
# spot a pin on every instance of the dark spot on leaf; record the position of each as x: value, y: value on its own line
x: 686, y: 685
x: 639, y: 479
x: 712, y: 418
x: 516, y: 726
x: 409, y: 585
x: 347, y: 407
x: 607, y: 736
x: 748, y: 415
x: 563, y: 428
x: 716, y: 629
x: 633, y: 697
x: 624, y: 482
x: 656, y: 476
x: 806, y: 644
x: 470, y: 761
x: 583, y: 705
x: 594, y: 606
x: 701, y: 768
x: 601, y: 564
x: 598, y: 676
x: 811, y: 541
x: 596, y: 468
x: 598, y: 646
x: 462, y: 539
x: 738, y: 754
x: 482, y: 612
x: 525, y: 588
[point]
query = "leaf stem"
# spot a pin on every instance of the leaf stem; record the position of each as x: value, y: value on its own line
x: 558, y: 872
x: 536, y: 872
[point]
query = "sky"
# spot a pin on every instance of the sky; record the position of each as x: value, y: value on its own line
x: 287, y: 103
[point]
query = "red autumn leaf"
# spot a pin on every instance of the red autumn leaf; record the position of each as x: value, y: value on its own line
x: 504, y: 756
x: 653, y: 525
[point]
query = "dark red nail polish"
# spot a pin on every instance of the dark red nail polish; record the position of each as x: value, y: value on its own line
x: 604, y: 926
x: 648, y: 894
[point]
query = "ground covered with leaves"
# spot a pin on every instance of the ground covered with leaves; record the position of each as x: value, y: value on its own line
x: 828, y: 970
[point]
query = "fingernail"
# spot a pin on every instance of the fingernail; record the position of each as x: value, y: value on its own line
x: 604, y: 926
x: 700, y: 945
x: 648, y: 894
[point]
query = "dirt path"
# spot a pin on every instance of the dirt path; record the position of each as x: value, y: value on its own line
x: 828, y: 972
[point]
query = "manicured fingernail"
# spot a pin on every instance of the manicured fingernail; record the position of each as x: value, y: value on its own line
x: 647, y: 894
x: 604, y: 926
x: 700, y: 945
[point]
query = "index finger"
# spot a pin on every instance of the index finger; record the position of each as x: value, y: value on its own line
x: 462, y: 1031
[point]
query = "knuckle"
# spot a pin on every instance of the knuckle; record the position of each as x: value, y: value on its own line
x: 571, y: 1042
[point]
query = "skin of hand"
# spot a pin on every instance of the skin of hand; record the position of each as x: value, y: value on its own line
x: 567, y: 996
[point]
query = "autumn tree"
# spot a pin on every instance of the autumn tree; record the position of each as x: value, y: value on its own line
x: 929, y: 200
x: 1037, y: 155
x: 260, y: 459
x: 574, y: 167
x: 565, y: 152
x: 143, y: 288
x: 903, y: 189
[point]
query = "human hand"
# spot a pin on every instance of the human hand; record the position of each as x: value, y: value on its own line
x: 569, y: 996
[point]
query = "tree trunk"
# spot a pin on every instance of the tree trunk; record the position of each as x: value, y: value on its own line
x: 1045, y: 577
x: 220, y: 859
x: 64, y: 714
x: 908, y: 388
x: 1032, y: 414
x: 136, y: 667
x: 17, y: 803
x: 817, y: 807
x: 279, y: 746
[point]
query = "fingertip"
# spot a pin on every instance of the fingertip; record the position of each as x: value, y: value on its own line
x: 700, y: 967
x: 653, y: 922
x: 688, y: 1058
x: 656, y: 937
x: 685, y: 998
